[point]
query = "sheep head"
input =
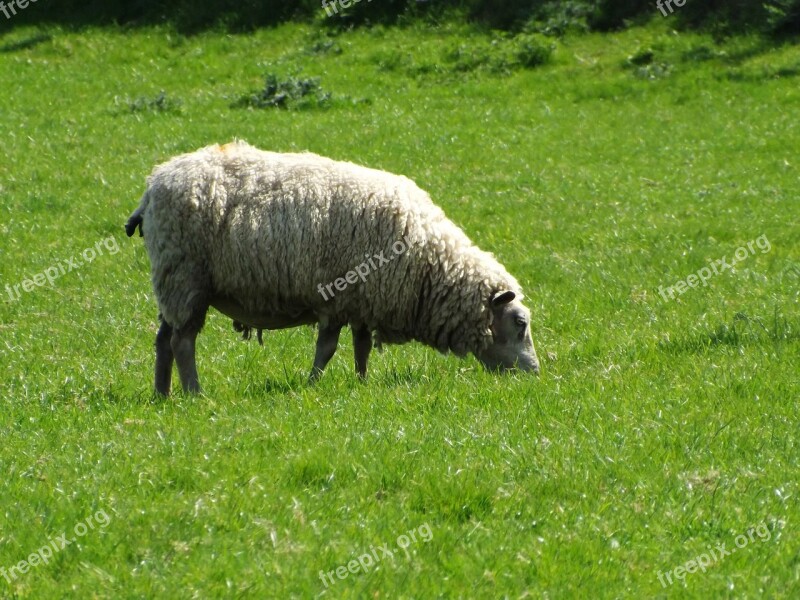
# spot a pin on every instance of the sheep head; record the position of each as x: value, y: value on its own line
x: 511, y: 346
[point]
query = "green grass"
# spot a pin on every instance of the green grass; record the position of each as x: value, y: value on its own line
x: 656, y: 431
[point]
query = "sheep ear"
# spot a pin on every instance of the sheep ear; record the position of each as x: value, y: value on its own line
x: 502, y: 298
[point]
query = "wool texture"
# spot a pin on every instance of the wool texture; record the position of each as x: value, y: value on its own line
x: 266, y: 229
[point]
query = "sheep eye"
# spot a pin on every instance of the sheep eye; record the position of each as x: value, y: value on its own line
x: 520, y: 321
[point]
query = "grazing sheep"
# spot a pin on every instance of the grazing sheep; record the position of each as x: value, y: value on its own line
x: 279, y: 240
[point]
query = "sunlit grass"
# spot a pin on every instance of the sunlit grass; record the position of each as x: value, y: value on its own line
x: 656, y: 431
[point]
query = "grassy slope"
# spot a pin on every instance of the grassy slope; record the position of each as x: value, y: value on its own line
x: 657, y: 430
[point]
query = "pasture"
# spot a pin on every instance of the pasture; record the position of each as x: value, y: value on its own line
x: 660, y: 427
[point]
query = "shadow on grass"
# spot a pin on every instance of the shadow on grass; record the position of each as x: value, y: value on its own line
x: 764, y: 74
x: 312, y: 473
x: 404, y: 376
x: 457, y: 504
x: 743, y: 331
x: 29, y: 42
x: 735, y: 59
x: 288, y: 384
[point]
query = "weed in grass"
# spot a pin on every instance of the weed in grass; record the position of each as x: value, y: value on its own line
x: 292, y: 93
x: 500, y: 55
x: 644, y: 66
x: 159, y: 103
x: 324, y: 46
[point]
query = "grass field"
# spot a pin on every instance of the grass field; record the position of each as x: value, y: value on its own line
x: 658, y: 429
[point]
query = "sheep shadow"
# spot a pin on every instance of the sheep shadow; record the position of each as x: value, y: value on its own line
x: 26, y: 43
x: 286, y: 385
x: 743, y: 331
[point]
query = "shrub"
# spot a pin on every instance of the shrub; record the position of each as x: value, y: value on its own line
x: 783, y: 16
x: 529, y: 52
x: 290, y: 93
x: 542, y: 16
x: 615, y: 14
x: 500, y: 55
x: 557, y: 18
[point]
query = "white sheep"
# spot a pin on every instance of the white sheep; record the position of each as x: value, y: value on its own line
x: 279, y: 240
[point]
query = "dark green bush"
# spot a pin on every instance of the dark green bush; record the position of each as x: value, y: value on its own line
x: 734, y: 16
x: 529, y: 52
x: 545, y: 16
x: 366, y: 12
x: 783, y: 16
x: 185, y: 15
x: 557, y: 18
x: 615, y: 14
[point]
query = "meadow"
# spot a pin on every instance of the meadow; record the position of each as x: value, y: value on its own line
x: 659, y: 429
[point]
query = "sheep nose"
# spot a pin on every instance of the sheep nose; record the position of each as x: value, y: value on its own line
x: 530, y: 365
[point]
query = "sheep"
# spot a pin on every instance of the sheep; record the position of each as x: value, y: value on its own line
x: 279, y: 240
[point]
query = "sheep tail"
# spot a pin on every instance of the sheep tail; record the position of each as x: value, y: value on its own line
x: 136, y: 219
x: 134, y: 222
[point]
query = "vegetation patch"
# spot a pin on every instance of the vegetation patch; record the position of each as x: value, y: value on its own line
x: 160, y: 103
x: 501, y: 54
x: 293, y: 93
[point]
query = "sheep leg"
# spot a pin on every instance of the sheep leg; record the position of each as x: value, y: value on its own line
x: 327, y: 340
x: 183, y: 347
x: 164, y: 359
x: 362, y: 345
